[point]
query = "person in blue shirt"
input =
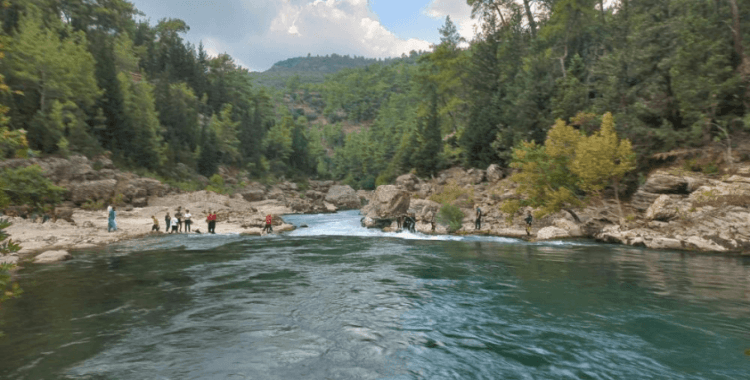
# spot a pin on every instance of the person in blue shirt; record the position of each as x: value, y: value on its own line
x: 112, y: 224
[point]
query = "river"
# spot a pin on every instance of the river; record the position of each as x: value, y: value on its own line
x: 336, y: 301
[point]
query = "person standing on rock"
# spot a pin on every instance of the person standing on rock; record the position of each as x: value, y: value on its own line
x: 174, y: 224
x: 187, y: 217
x: 269, y: 224
x: 528, y: 220
x: 111, y: 224
x: 155, y: 227
x: 478, y: 220
x: 167, y: 219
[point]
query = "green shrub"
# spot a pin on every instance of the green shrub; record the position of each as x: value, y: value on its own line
x: 8, y: 289
x: 450, y: 193
x: 711, y: 168
x: 510, y: 208
x: 28, y: 186
x: 216, y: 184
x: 93, y: 206
x: 118, y: 200
x: 450, y: 215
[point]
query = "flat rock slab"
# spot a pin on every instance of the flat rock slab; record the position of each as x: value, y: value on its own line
x: 52, y: 257
x: 9, y: 259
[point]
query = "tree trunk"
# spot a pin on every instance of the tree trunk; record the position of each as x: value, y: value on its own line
x: 575, y: 217
x: 497, y: 8
x: 530, y: 17
x: 601, y: 6
x: 41, y: 93
x: 617, y: 198
x: 744, y: 67
x: 562, y: 61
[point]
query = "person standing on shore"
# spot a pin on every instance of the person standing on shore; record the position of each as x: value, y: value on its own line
x: 111, y: 224
x: 187, y: 220
x: 178, y: 215
x: 528, y: 220
x: 213, y: 223
x: 211, y: 219
x: 174, y: 224
x: 155, y: 227
x: 269, y: 224
x: 167, y: 220
x: 478, y: 220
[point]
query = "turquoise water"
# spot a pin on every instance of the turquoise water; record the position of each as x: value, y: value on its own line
x: 335, y: 301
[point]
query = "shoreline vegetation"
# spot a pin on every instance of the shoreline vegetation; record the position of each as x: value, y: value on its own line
x: 674, y: 209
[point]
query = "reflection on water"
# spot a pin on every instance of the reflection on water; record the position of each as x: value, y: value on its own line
x: 335, y: 301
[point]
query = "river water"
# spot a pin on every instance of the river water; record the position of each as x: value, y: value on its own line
x: 336, y: 301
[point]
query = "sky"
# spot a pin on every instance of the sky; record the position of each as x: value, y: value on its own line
x: 259, y: 33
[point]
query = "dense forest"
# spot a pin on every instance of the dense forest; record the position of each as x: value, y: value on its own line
x: 86, y: 76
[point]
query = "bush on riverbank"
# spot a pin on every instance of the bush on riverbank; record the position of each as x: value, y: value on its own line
x: 450, y: 215
x: 453, y: 193
x: 8, y: 289
x: 28, y: 186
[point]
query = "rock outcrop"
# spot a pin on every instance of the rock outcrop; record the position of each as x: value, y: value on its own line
x: 52, y: 257
x: 343, y: 197
x: 386, y: 204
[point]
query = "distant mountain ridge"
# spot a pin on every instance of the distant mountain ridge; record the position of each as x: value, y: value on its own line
x: 315, y: 69
x: 327, y: 64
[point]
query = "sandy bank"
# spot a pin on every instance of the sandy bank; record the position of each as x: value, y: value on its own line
x: 235, y: 215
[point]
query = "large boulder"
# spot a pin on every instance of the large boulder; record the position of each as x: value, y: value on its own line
x: 343, y: 197
x: 9, y: 259
x: 52, y: 257
x: 662, y: 182
x: 64, y: 213
x: 664, y: 208
x: 573, y: 229
x: 148, y: 187
x: 494, y: 173
x: 424, y: 210
x: 551, y: 232
x: 408, y: 182
x: 253, y: 194
x: 80, y: 192
x: 387, y: 202
x: 320, y: 186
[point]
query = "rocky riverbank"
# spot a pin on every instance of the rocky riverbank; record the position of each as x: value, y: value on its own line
x: 74, y: 225
x: 673, y: 209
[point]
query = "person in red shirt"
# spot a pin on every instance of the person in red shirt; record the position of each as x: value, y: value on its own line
x: 269, y: 227
x: 211, y: 219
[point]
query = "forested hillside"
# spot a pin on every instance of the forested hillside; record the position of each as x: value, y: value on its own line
x: 85, y: 76
x: 674, y: 73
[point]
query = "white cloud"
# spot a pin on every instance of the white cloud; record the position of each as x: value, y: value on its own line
x: 460, y: 14
x: 349, y: 26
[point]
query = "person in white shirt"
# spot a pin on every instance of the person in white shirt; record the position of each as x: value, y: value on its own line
x: 174, y: 224
x: 187, y: 217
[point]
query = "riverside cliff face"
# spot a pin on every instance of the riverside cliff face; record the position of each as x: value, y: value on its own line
x: 673, y: 209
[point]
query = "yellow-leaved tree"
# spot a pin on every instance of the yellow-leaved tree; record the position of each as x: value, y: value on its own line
x: 602, y: 159
x: 555, y: 176
x: 544, y: 177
